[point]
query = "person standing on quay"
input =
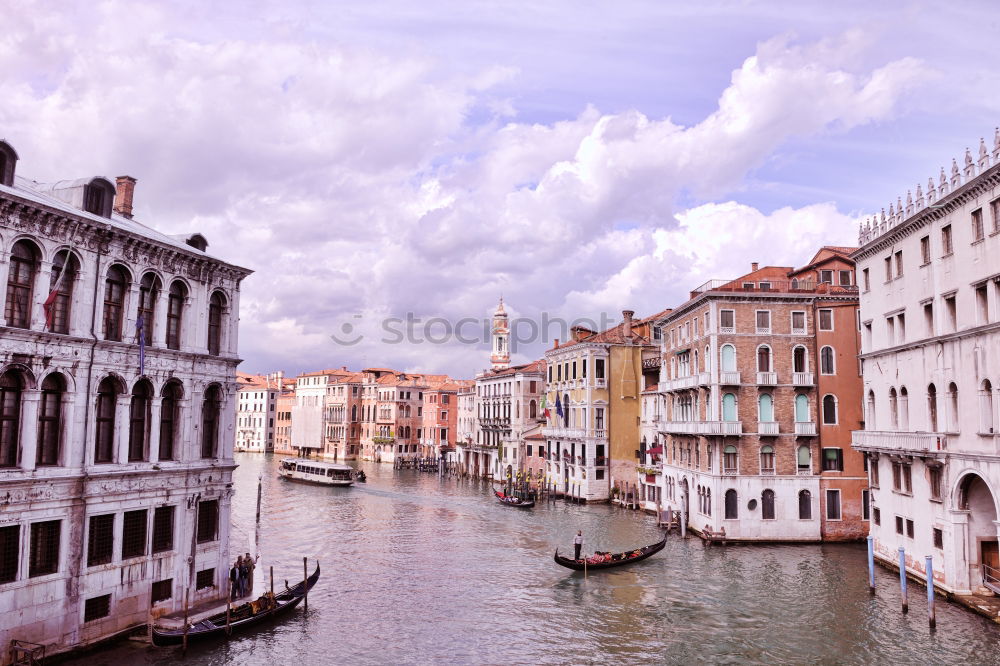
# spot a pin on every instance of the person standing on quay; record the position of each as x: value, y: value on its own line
x: 251, y: 564
x: 578, y: 543
x: 234, y: 580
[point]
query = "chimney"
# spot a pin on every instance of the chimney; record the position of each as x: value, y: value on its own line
x: 556, y: 345
x: 627, y: 317
x: 124, y: 189
x: 754, y: 266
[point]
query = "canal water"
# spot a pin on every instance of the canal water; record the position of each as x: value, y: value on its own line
x: 419, y: 570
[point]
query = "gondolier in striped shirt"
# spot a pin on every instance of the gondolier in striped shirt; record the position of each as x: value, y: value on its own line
x: 578, y: 543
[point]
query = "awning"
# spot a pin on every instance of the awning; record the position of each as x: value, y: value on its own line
x: 682, y: 351
x: 655, y: 451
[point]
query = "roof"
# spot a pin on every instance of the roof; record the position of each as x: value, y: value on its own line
x: 616, y: 335
x: 652, y: 388
x: 533, y: 366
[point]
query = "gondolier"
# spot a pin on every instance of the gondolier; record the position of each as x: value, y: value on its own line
x: 578, y: 543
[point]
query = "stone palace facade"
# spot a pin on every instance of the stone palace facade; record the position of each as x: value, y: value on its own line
x: 117, y: 383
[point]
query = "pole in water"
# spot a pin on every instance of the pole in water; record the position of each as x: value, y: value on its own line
x: 259, y: 479
x: 305, y: 582
x: 902, y: 578
x: 931, y: 619
x: 229, y: 604
x: 871, y: 564
x: 184, y: 642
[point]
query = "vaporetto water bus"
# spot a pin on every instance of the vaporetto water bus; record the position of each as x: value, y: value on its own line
x: 314, y: 471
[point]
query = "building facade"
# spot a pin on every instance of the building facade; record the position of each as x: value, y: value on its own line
x: 118, y: 352
x: 256, y: 407
x: 283, y: 420
x: 342, y: 416
x: 930, y: 299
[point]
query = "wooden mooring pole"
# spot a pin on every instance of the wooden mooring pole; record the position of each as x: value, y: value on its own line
x: 229, y: 605
x: 931, y: 619
x: 184, y: 641
x: 305, y: 582
x: 902, y: 578
x: 871, y: 564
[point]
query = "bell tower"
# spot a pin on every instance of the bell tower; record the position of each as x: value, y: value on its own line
x: 500, y: 351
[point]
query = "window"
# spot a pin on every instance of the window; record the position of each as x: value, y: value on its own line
x: 833, y: 460
x: 96, y: 607
x: 23, y: 266
x: 763, y: 359
x: 995, y: 213
x: 866, y: 279
x: 599, y: 368
x: 946, y: 245
x: 107, y: 397
x: 827, y: 365
x: 767, y: 504
x: 728, y: 354
x: 899, y: 263
x: 115, y: 287
x: 826, y: 319
x: 100, y: 539
x: 767, y: 460
x: 10, y: 552
x: 729, y: 407
x: 801, y: 408
x: 932, y: 407
x: 866, y: 499
x: 49, y: 420
x: 925, y: 250
x: 888, y: 268
x: 730, y: 460
x: 163, y: 529
x: 57, y: 306
x: 846, y: 278
x: 799, y: 323
x: 833, y: 505
x: 44, y: 556
x: 876, y: 515
x: 134, y: 534
x: 829, y: 410
x: 909, y: 528
x: 149, y: 292
x: 763, y: 321
x: 826, y: 276
x: 175, y: 311
x: 727, y: 320
x: 765, y: 408
x: 732, y: 508
x: 11, y: 386
x: 205, y: 579
x: 953, y: 425
x: 169, y: 406
x: 938, y: 537
x: 934, y: 478
x: 805, y: 505
x: 899, y: 524
x: 215, y: 307
x: 139, y: 413
x: 982, y: 304
x: 162, y: 590
x: 978, y: 233
x: 804, y: 459
x: 210, y: 422
x: 208, y: 520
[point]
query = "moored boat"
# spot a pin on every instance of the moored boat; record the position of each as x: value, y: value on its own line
x: 240, y: 617
x: 608, y: 560
x: 315, y: 471
x: 511, y: 500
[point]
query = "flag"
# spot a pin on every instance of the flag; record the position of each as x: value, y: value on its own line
x: 141, y: 335
x: 49, y: 306
x: 545, y: 408
x: 559, y: 409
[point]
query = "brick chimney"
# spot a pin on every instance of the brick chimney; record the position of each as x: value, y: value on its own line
x: 627, y: 319
x: 754, y: 266
x: 124, y: 189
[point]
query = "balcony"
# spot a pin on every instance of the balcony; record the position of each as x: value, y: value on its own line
x: 767, y: 378
x: 600, y: 433
x: 729, y: 378
x: 564, y: 433
x: 803, y: 379
x: 703, y: 427
x: 704, y: 378
x: 600, y: 382
x: 767, y: 428
x: 899, y: 442
x: 681, y: 383
x: 600, y: 461
x: 805, y: 429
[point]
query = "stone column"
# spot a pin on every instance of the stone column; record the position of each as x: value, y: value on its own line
x: 122, y: 427
x: 187, y: 436
x: 68, y: 455
x: 187, y: 334
x: 154, y: 429
x: 160, y: 319
x: 4, y: 271
x: 956, y: 556
x: 80, y: 306
x: 29, y: 427
x: 130, y: 313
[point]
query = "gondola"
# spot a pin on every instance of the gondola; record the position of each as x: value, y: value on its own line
x: 240, y: 616
x: 360, y: 476
x: 611, y: 560
x: 514, y: 501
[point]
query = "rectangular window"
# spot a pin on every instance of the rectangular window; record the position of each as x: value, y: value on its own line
x: 833, y: 460
x: 901, y: 327
x: 888, y: 268
x: 96, y: 607
x: 799, y: 323
x: 208, y: 521
x: 876, y: 515
x: 101, y: 540
x: 995, y: 214
x: 205, y: 579
x: 909, y: 528
x: 925, y: 250
x: 978, y: 232
x: 163, y: 529
x: 763, y: 321
x: 162, y: 590
x: 899, y: 263
x: 866, y: 504
x: 934, y: 474
x: 846, y: 278
x: 599, y: 368
x: 134, y: 534
x: 44, y: 548
x: 983, y: 304
x: 897, y: 475
x: 826, y: 320
x: 826, y: 276
x: 833, y: 505
x: 929, y: 318
x: 951, y: 309
x: 727, y: 320
x: 946, y: 245
x: 907, y: 478
x: 10, y: 550
x: 866, y: 278
x: 938, y: 537
x: 899, y: 524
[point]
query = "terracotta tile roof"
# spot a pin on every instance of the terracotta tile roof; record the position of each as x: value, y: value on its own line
x: 615, y: 335
x: 650, y: 389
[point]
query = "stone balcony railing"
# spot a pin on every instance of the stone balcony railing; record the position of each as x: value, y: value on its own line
x: 564, y: 433
x: 703, y: 427
x: 767, y: 427
x: 891, y: 441
x: 805, y: 429
x: 704, y: 378
x: 729, y: 377
x: 767, y: 378
x: 803, y: 378
x: 681, y: 383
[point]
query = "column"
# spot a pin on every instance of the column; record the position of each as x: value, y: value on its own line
x: 80, y: 306
x: 160, y: 318
x: 4, y: 270
x: 187, y: 436
x: 40, y: 292
x: 956, y: 555
x: 29, y: 427
x: 130, y: 314
x: 154, y: 429
x: 68, y: 455
x: 121, y: 427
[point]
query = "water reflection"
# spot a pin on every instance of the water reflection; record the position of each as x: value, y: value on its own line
x: 418, y: 570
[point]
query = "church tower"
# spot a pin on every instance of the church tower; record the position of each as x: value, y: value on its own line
x: 500, y: 355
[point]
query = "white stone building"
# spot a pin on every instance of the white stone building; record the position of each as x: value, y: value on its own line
x: 117, y: 367
x: 930, y: 322
x: 256, y: 405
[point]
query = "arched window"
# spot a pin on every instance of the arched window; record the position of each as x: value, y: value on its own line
x: 532, y: 410
x: 804, y: 459
x: 175, y: 311
x: 763, y: 359
x: 729, y: 407
x: 115, y: 286
x: 805, y: 505
x: 765, y: 407
x: 767, y: 460
x: 11, y: 386
x: 904, y: 409
x: 565, y: 410
x: 149, y: 292
x: 932, y: 418
x: 986, y: 407
x: 767, y: 504
x: 22, y: 268
x: 870, y: 419
x: 57, y: 305
x: 50, y: 420
x: 694, y: 367
x: 354, y: 413
x: 169, y: 416
x: 953, y: 408
x: 732, y: 507
x: 215, y: 307
x: 138, y: 428
x: 827, y: 365
x: 210, y: 421
x: 8, y: 160
x: 708, y: 360
x: 104, y: 441
x: 799, y: 360
x: 730, y: 460
x: 98, y: 195
x: 829, y: 410
x: 801, y: 408
x: 728, y: 355
x: 893, y: 409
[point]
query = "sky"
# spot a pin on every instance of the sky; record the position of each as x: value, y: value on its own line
x: 389, y: 170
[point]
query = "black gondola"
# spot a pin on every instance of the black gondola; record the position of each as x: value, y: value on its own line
x: 510, y: 500
x: 616, y: 560
x: 360, y: 476
x: 240, y: 616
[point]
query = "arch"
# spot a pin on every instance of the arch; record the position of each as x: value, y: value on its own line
x: 732, y: 505
x: 953, y: 424
x: 217, y: 305
x: 8, y: 163
x: 24, y: 373
x: 767, y: 504
x: 727, y: 355
x: 764, y: 360
x: 974, y: 495
x: 801, y: 408
x: 932, y: 411
x: 23, y: 267
x: 986, y: 415
x: 57, y: 306
x: 107, y: 398
x: 149, y: 293
x: 767, y: 459
x: 11, y: 388
x: 99, y: 196
x: 904, y: 408
x: 210, y: 408
x: 893, y: 409
x: 49, y: 446
x: 139, y: 420
x: 827, y: 361
x: 805, y: 505
x: 800, y: 359
x: 171, y: 395
x: 829, y: 409
x: 176, y: 297
x: 116, y: 285
x: 765, y: 407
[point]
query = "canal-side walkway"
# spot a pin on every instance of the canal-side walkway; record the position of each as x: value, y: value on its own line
x: 985, y: 605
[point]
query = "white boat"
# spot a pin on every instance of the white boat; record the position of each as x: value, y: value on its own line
x: 315, y: 471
